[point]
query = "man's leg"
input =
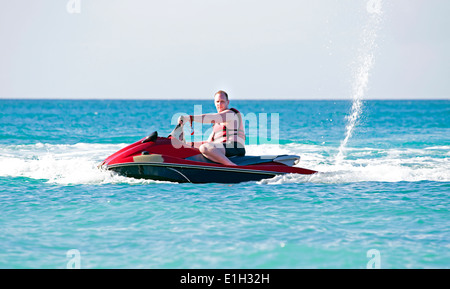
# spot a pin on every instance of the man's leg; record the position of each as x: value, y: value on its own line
x: 216, y: 153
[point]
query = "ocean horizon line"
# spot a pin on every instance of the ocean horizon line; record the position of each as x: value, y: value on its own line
x: 239, y: 99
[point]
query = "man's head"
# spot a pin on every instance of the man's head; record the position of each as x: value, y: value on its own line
x: 221, y: 100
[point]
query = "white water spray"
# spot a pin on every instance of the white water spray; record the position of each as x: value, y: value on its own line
x: 364, y: 65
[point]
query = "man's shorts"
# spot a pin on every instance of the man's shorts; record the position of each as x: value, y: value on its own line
x: 234, y: 149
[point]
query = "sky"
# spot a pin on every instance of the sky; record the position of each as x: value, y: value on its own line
x: 189, y: 49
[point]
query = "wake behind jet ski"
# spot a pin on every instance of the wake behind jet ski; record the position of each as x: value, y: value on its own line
x: 156, y: 158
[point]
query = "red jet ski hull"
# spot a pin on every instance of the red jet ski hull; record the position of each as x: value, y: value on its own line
x: 155, y: 158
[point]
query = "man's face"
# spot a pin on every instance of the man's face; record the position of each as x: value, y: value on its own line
x: 221, y: 102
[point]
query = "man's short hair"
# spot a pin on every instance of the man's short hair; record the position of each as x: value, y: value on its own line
x: 222, y: 92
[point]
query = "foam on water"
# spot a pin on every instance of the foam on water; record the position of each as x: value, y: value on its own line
x: 61, y: 164
x: 77, y: 164
x: 364, y: 164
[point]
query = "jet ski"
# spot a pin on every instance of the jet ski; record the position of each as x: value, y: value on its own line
x: 155, y: 158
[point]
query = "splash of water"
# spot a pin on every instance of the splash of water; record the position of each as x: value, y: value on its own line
x: 364, y: 65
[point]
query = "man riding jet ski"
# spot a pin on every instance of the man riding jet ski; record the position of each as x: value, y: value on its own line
x: 220, y: 159
x: 228, y: 136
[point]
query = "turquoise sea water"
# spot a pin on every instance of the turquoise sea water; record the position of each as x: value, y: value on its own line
x: 391, y: 192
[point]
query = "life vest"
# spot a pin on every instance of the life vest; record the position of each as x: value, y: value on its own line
x: 222, y: 133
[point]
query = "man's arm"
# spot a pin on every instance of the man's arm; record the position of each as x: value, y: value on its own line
x: 206, y: 118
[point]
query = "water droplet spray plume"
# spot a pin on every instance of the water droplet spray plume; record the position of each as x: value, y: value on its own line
x: 364, y: 64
